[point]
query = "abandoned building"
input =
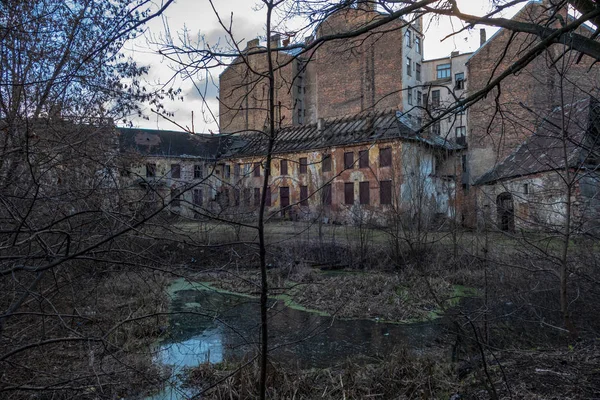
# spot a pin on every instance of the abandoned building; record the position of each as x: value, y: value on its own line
x: 363, y: 129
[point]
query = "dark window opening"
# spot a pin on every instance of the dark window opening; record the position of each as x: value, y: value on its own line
x: 349, y: 193
x: 326, y: 194
x: 418, y: 44
x: 197, y: 171
x: 348, y: 160
x: 236, y: 171
x: 150, y: 170
x: 363, y: 192
x: 257, y: 197
x: 284, y: 195
x: 197, y: 197
x: 227, y: 171
x: 525, y: 188
x: 175, y: 198
x: 385, y: 192
x: 247, y: 197
x: 303, y: 165
x: 304, y: 195
x: 175, y: 171
x: 257, y: 169
x: 363, y: 159
x: 268, y: 197
x: 418, y: 71
x: 326, y: 162
x: 236, y: 197
x: 408, y: 66
x: 464, y: 162
x: 284, y: 167
x: 385, y: 157
x: 435, y: 98
x: 459, y: 81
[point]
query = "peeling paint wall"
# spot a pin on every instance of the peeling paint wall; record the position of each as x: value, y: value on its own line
x: 539, y: 202
x: 407, y: 183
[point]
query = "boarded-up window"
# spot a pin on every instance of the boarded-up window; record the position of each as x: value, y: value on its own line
x: 326, y: 194
x: 175, y: 199
x: 256, y: 169
x: 363, y: 159
x: 349, y: 193
x: 303, y: 195
x: 385, y: 157
x: 326, y: 161
x: 303, y: 165
x: 150, y: 170
x: 363, y: 192
x: 385, y: 192
x: 257, y: 197
x: 197, y: 197
x: 268, y: 199
x: 284, y: 169
x: 197, y: 171
x: 348, y: 160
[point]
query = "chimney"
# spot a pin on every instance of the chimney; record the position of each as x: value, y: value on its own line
x: 454, y: 54
x: 252, y: 44
x: 275, y: 41
x: 482, y: 37
x: 320, y: 125
x: 286, y: 42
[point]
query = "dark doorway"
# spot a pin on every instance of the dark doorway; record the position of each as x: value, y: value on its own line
x: 505, y: 212
x: 284, y: 193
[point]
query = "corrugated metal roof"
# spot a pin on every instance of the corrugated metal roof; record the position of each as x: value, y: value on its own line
x: 362, y: 128
x: 545, y: 149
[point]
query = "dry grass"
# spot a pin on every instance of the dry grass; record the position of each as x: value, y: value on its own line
x: 399, y: 376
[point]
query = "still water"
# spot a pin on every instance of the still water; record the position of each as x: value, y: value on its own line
x: 210, y: 326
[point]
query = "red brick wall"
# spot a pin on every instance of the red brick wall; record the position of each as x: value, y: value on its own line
x: 347, y: 76
x: 508, y: 115
x: 243, y: 94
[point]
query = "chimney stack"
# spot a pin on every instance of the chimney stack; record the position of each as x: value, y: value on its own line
x: 320, y: 125
x: 482, y: 37
x: 275, y: 41
x: 454, y: 53
x: 252, y: 44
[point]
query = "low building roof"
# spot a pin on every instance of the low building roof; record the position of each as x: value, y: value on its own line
x: 362, y: 128
x: 545, y: 149
x: 163, y: 143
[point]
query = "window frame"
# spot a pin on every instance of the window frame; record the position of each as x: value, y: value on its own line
x: 385, y: 157
x: 363, y: 159
x: 304, y: 196
x: 348, y: 160
x: 364, y: 197
x: 326, y: 163
x: 303, y: 165
x: 443, y: 71
x: 349, y: 193
x: 385, y: 187
x: 283, y: 167
x: 408, y: 66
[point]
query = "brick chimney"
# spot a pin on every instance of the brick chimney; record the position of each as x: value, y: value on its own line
x: 482, y: 37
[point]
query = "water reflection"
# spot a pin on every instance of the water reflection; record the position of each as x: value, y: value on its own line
x: 216, y: 327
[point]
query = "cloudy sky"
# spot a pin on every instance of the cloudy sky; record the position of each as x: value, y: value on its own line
x: 200, y: 23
